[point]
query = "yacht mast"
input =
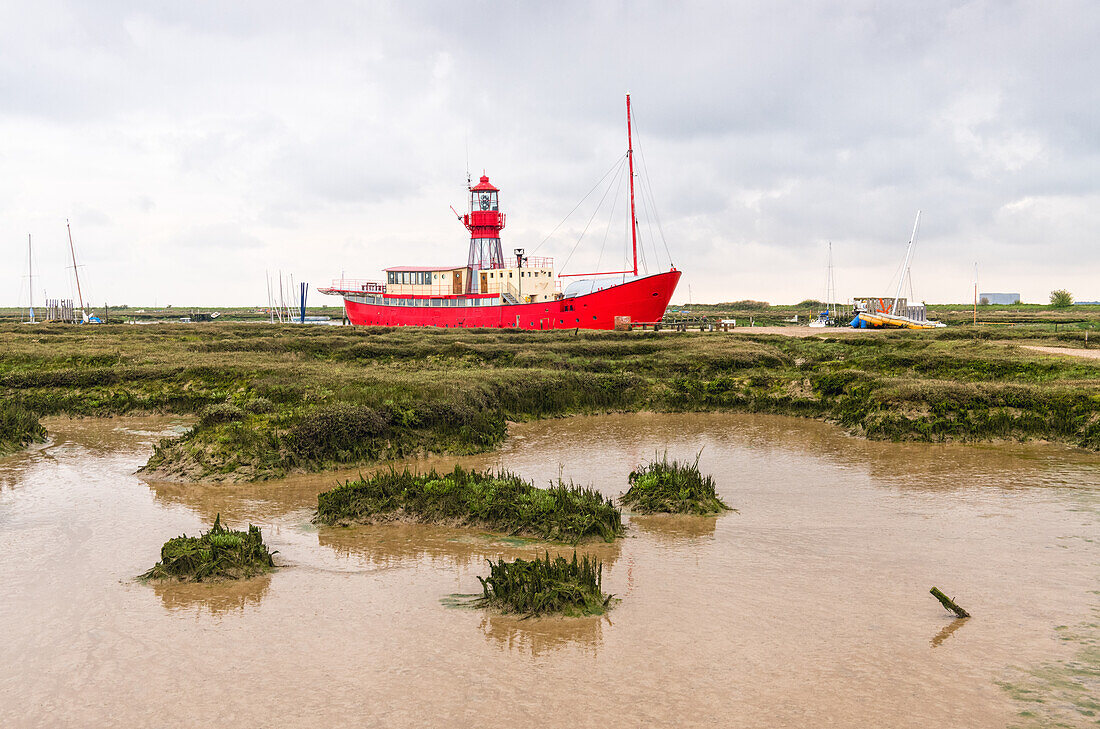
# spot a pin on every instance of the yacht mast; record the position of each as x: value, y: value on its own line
x: 30, y: 277
x: 905, y: 266
x: 76, y: 271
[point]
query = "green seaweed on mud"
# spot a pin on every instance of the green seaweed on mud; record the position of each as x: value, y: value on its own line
x: 672, y: 487
x: 500, y: 502
x: 18, y: 427
x: 545, y: 586
x: 1063, y: 693
x: 219, y: 554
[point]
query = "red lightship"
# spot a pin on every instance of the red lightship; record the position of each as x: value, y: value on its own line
x: 519, y: 292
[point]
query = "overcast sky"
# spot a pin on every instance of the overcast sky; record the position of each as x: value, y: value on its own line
x: 194, y: 145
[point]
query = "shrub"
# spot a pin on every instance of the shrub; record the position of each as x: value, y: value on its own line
x: 259, y: 406
x: 1061, y: 299
x: 334, y: 428
x: 222, y: 412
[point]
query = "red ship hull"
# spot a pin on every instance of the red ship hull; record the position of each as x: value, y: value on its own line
x: 641, y: 300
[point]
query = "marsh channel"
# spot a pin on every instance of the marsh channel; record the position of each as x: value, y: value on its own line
x: 807, y: 607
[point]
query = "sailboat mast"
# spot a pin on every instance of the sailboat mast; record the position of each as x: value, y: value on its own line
x: 905, y: 266
x: 630, y: 159
x: 30, y: 277
x: 76, y: 271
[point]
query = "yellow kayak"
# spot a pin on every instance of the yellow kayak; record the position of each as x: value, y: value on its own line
x: 882, y: 319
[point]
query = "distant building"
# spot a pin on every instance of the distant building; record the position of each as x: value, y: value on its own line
x: 1001, y: 299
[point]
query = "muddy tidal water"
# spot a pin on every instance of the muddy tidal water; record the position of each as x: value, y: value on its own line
x: 808, y: 607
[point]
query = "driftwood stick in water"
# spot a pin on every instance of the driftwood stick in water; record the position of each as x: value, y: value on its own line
x: 949, y: 603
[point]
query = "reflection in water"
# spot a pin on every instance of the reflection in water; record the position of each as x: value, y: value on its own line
x: 395, y: 544
x: 215, y: 598
x: 241, y: 503
x: 538, y: 636
x: 948, y: 629
x: 677, y: 527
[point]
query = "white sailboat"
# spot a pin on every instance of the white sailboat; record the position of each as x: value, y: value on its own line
x: 891, y: 318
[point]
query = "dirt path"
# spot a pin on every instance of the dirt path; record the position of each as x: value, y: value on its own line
x: 1086, y: 353
x: 803, y: 331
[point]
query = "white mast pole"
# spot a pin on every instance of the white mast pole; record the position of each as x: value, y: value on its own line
x: 76, y: 272
x: 30, y: 275
x: 905, y: 266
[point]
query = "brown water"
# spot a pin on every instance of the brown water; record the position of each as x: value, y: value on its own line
x: 810, y: 607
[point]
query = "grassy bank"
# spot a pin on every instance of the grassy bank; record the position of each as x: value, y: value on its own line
x: 671, y: 487
x: 546, y: 586
x: 496, y: 502
x: 271, y: 399
x: 219, y: 554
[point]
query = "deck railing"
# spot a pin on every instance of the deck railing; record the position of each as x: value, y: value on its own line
x: 357, y: 284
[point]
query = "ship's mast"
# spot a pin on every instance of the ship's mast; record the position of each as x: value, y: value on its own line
x: 30, y: 276
x: 76, y: 271
x: 630, y: 159
x: 905, y: 266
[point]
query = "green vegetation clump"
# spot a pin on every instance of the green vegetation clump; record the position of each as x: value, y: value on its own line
x: 18, y: 427
x: 500, y: 502
x: 218, y: 554
x: 672, y: 488
x: 546, y: 586
x: 1061, y: 299
x: 222, y: 412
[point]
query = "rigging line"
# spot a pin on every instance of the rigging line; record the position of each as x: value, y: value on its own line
x: 899, y: 274
x: 611, y: 216
x: 649, y: 229
x: 648, y: 207
x: 562, y: 221
x: 648, y: 184
x: 647, y: 188
x: 622, y: 161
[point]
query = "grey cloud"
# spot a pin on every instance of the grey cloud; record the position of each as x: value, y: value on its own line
x: 767, y: 129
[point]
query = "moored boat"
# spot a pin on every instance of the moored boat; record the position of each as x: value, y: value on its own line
x: 519, y: 291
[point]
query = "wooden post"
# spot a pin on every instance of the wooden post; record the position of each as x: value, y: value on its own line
x: 948, y: 603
